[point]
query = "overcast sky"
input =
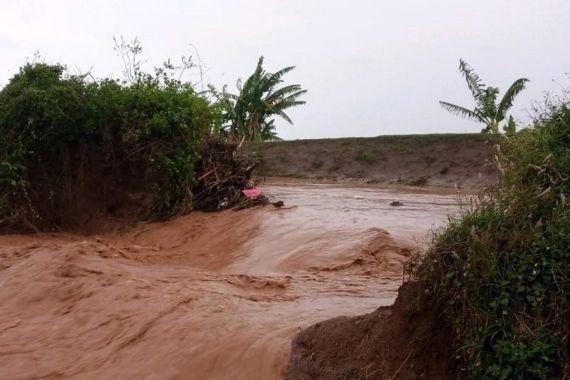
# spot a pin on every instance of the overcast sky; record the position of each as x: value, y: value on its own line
x: 371, y: 67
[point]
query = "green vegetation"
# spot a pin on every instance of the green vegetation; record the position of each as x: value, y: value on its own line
x: 487, y: 110
x: 63, y: 135
x: 402, y: 142
x: 414, y: 181
x: 317, y: 164
x: 503, y: 268
x: 365, y: 157
x: 250, y: 115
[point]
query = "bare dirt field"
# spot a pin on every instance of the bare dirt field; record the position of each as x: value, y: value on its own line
x: 452, y: 160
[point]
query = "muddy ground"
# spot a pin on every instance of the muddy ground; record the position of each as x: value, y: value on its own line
x: 456, y: 160
x: 207, y: 296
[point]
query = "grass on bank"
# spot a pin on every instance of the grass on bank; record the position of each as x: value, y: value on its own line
x: 405, y: 141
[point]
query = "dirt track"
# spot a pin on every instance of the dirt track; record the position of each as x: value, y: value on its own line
x: 206, y: 296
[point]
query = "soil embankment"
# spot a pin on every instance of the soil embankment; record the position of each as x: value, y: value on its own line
x: 206, y: 296
x: 401, y: 341
x: 456, y: 160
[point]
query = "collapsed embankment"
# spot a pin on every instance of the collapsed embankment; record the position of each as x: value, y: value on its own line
x: 452, y: 160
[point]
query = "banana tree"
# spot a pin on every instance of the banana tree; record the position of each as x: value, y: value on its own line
x: 487, y: 110
x: 250, y: 115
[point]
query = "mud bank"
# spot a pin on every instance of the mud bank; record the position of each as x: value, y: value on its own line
x: 408, y: 340
x: 206, y: 296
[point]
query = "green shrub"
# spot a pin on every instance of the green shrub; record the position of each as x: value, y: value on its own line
x: 413, y: 181
x: 503, y: 268
x: 66, y: 142
x: 365, y: 158
x: 316, y: 164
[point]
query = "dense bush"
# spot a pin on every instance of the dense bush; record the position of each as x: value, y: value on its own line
x: 503, y: 268
x: 67, y: 142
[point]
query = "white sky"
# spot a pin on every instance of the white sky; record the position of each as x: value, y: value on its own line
x: 371, y: 67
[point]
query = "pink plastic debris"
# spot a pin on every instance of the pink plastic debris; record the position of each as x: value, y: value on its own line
x: 252, y: 193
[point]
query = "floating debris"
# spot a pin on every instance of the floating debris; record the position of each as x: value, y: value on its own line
x: 278, y: 204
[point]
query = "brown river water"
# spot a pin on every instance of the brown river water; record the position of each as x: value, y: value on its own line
x: 206, y: 296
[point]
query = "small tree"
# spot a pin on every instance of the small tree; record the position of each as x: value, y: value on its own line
x: 487, y: 110
x: 250, y: 115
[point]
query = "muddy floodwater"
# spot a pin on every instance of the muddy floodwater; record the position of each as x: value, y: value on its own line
x: 206, y: 296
